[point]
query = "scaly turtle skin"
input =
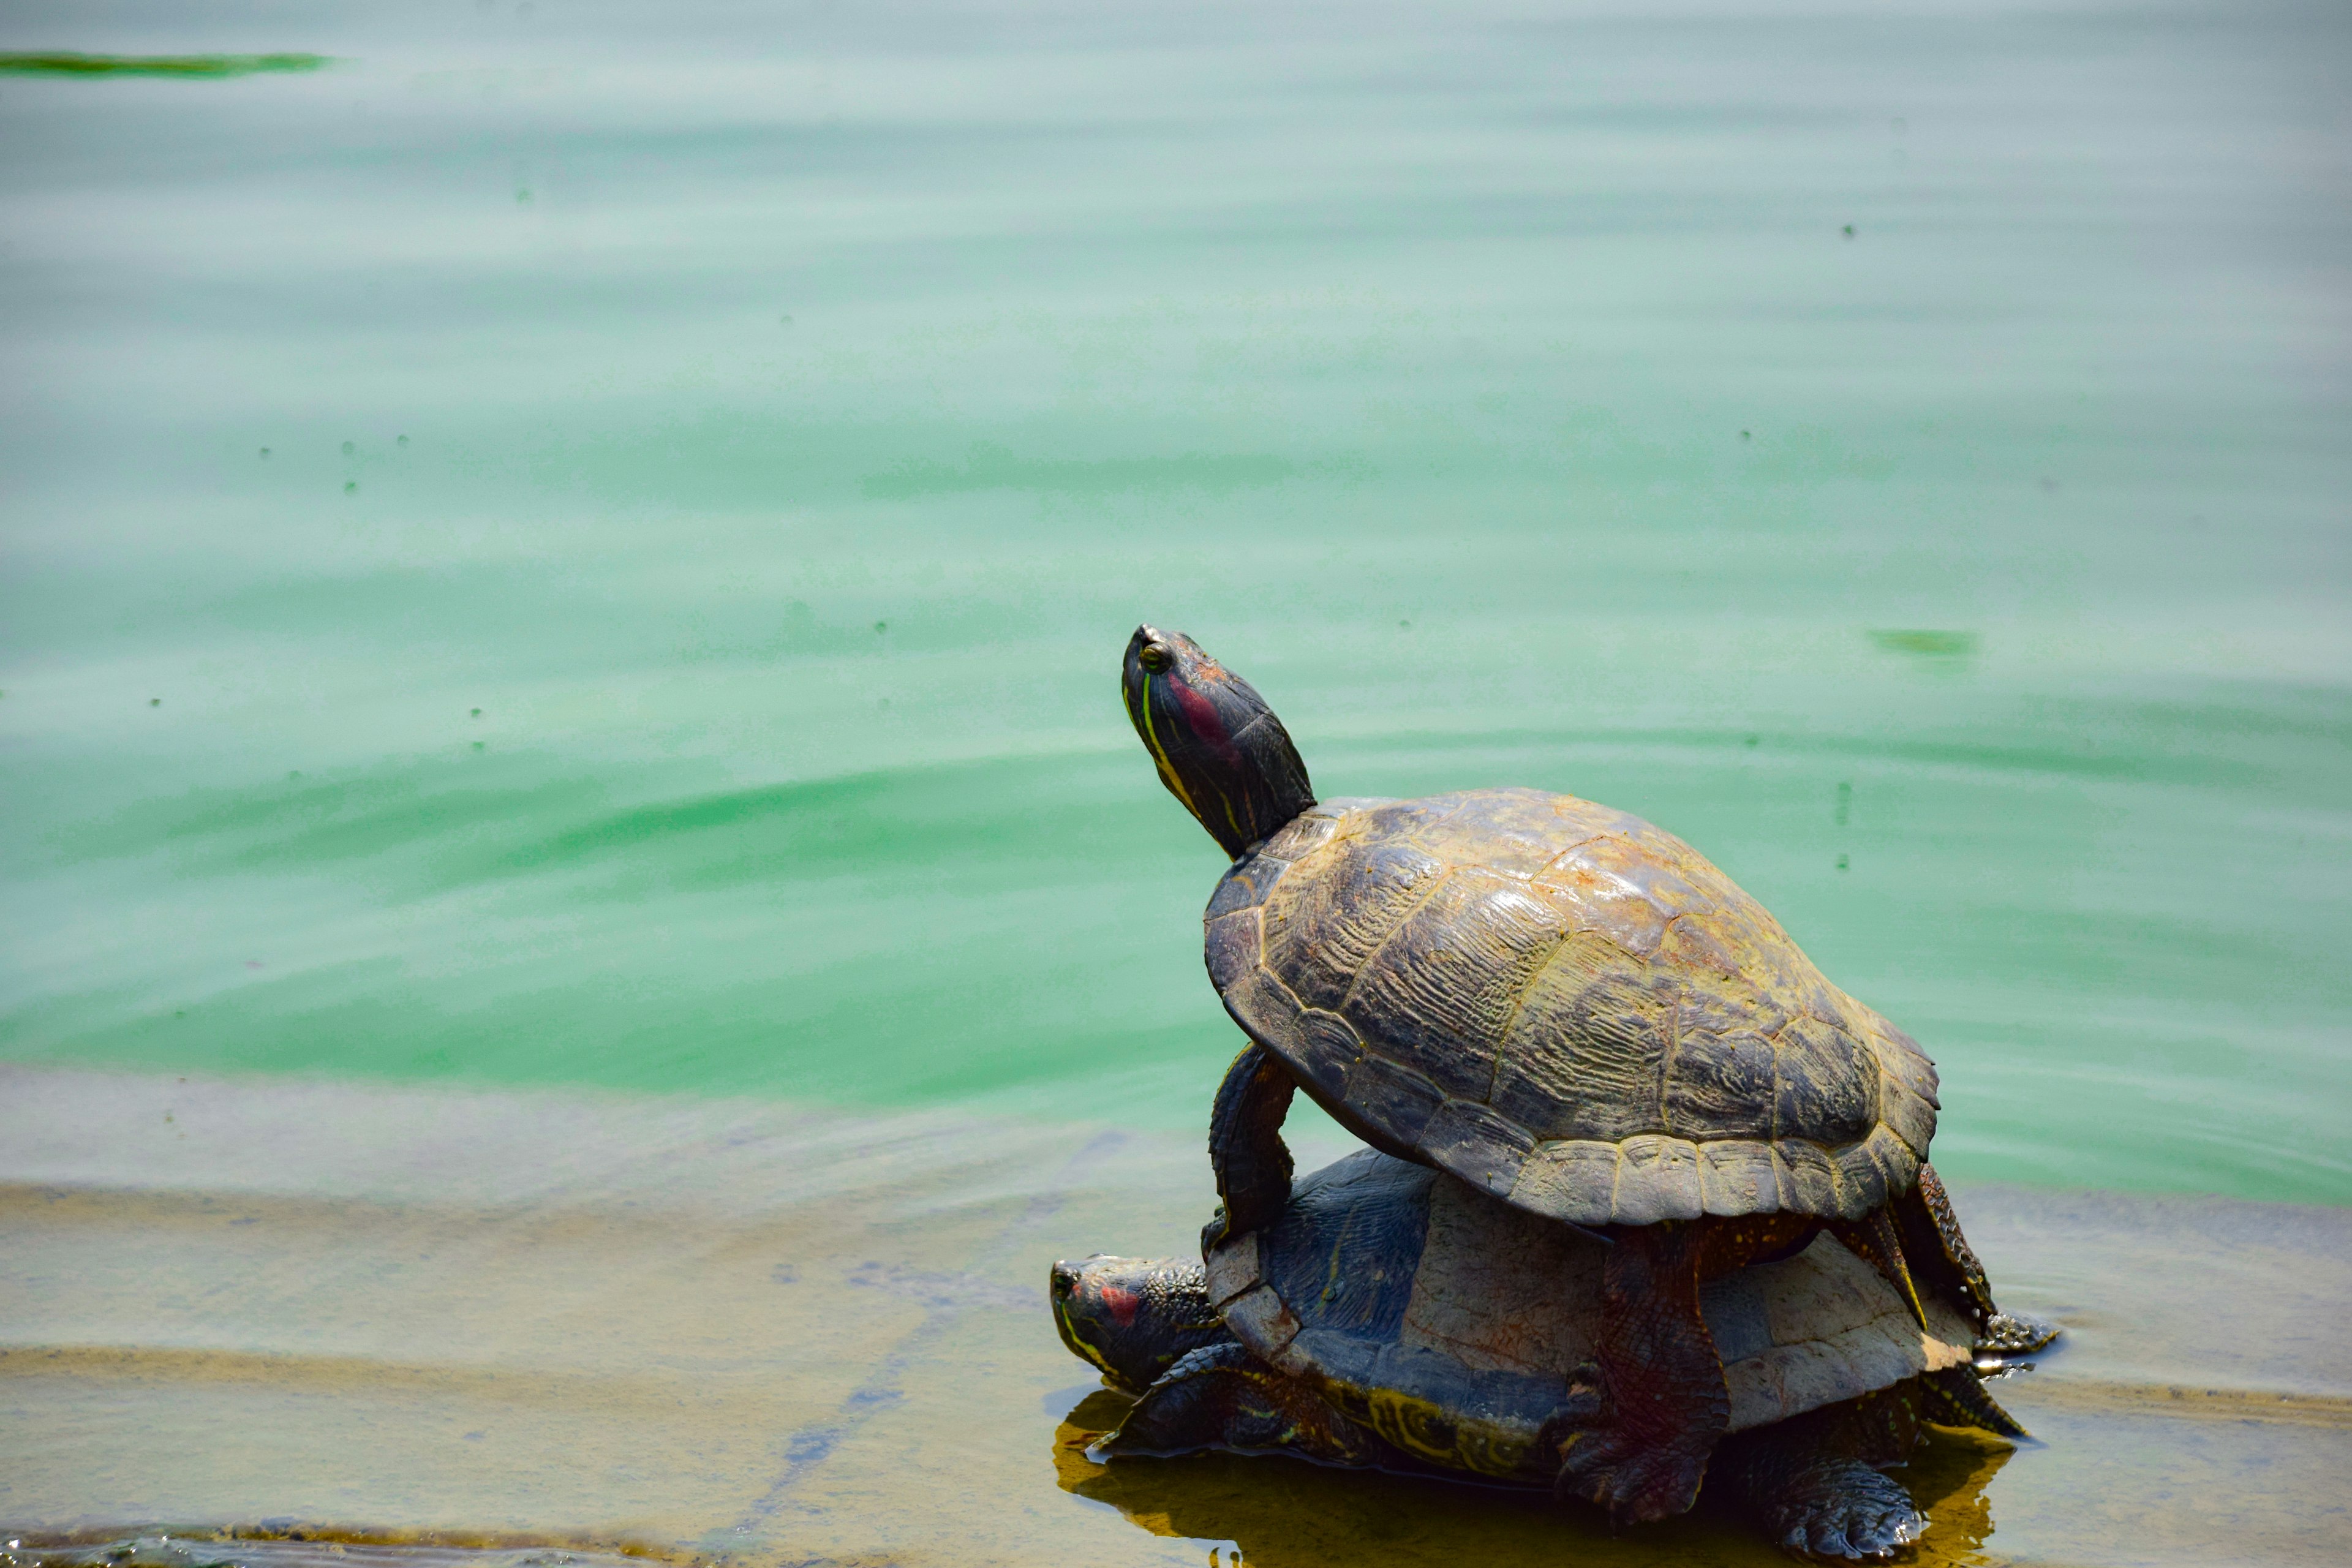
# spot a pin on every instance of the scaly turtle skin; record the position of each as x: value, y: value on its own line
x: 1393, y: 1317
x: 1564, y: 1006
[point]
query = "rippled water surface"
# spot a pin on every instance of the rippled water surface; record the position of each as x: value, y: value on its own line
x: 588, y: 545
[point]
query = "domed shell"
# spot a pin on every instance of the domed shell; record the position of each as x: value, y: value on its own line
x: 1564, y: 1005
x: 1458, y: 1326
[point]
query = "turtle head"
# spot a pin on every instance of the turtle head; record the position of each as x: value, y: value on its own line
x: 1132, y: 1318
x: 1221, y: 750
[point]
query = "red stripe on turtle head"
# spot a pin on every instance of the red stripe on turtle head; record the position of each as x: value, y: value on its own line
x: 1122, y: 1304
x: 1208, y: 725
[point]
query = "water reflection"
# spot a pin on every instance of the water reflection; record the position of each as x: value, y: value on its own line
x: 1285, y: 1513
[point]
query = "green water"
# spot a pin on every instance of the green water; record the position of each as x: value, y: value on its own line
x: 590, y: 546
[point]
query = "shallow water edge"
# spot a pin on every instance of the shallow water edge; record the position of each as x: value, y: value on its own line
x: 440, y: 1323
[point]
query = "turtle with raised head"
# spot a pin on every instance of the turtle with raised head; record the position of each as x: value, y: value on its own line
x: 1567, y: 1009
x: 1393, y: 1317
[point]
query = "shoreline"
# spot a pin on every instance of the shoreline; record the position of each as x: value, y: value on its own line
x: 445, y: 1319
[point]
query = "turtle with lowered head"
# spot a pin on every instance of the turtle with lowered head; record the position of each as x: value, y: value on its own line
x: 1392, y: 1317
x: 1570, y: 1010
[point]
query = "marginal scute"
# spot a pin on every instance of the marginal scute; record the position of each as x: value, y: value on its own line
x: 1912, y: 1118
x: 1390, y: 1096
x: 1232, y: 1268
x: 1901, y: 1059
x: 1267, y: 1010
x: 1878, y: 1168
x: 1232, y: 949
x: 1328, y: 1045
x: 1737, y: 1176
x: 1657, y: 1181
x: 1861, y: 1179
x: 1262, y: 1321
x: 1482, y: 1147
x: 1808, y: 1178
x: 1571, y: 1179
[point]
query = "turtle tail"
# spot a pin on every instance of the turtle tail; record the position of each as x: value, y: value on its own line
x: 1956, y: 1396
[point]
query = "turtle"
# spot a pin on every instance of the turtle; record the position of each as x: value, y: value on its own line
x: 1397, y: 1318
x: 1567, y: 1009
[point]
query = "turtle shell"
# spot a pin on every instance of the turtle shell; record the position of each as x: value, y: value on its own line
x: 1456, y: 1326
x: 1566, y: 1006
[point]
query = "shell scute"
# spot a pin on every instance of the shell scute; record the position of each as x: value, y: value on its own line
x: 1737, y: 1176
x: 1406, y: 818
x: 1487, y: 1150
x: 1301, y: 836
x: 1512, y: 832
x: 1912, y: 1118
x: 1695, y: 944
x: 1322, y: 925
x: 1721, y: 1086
x: 1875, y: 1168
x: 1446, y: 982
x: 1597, y: 884
x: 1720, y: 1006
x: 1394, y: 1099
x: 1571, y: 1179
x: 1825, y: 1084
x: 1329, y: 1046
x: 1266, y: 1011
x: 1232, y: 947
x: 1658, y: 1180
x: 1246, y: 885
x: 1586, y: 1054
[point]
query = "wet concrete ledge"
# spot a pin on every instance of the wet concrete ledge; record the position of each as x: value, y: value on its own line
x: 308, y: 1320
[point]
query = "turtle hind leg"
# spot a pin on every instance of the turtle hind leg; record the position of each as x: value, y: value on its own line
x: 1956, y: 1396
x: 1807, y: 1485
x: 1664, y: 1378
x: 1931, y: 1230
x: 1220, y: 1396
x: 1246, y: 1154
x: 1835, y: 1508
x: 1932, y: 1233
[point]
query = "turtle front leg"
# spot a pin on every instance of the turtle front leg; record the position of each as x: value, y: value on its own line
x: 1246, y: 1153
x: 1220, y: 1396
x: 1798, y: 1482
x: 1664, y: 1376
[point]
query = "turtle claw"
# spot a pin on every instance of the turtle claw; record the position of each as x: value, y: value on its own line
x: 2008, y: 1334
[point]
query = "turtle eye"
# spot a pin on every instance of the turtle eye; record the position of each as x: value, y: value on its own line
x: 1154, y: 657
